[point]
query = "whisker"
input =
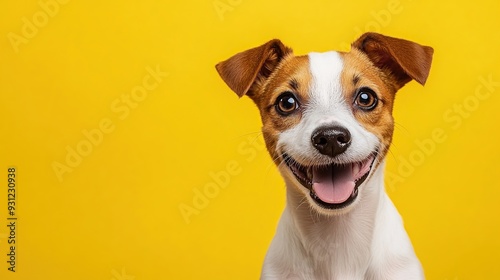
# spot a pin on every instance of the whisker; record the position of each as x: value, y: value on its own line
x: 401, y: 128
x: 274, y: 159
x: 259, y: 133
x: 391, y: 152
x: 246, y: 134
x: 302, y: 201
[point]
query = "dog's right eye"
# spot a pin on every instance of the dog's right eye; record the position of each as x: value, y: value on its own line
x: 366, y: 99
x: 286, y: 103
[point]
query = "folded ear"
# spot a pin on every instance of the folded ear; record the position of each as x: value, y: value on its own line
x: 402, y: 60
x: 242, y: 70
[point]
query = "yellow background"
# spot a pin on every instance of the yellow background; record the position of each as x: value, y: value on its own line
x: 117, y: 215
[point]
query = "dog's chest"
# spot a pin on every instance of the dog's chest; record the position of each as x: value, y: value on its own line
x: 339, y: 253
x: 338, y: 250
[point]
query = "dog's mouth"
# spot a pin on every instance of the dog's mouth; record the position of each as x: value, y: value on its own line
x: 332, y: 186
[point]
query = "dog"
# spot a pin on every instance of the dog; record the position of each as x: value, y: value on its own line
x: 328, y: 124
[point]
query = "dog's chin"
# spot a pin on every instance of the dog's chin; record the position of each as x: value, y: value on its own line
x: 331, y: 189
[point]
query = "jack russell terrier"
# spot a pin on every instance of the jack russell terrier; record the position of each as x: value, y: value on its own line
x: 328, y: 124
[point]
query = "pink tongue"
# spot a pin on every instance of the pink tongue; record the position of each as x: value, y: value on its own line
x: 334, y: 184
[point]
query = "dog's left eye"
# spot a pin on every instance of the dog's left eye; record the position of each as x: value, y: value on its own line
x: 286, y: 103
x: 366, y: 99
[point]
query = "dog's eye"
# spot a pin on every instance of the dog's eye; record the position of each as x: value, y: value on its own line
x: 366, y: 99
x: 286, y: 103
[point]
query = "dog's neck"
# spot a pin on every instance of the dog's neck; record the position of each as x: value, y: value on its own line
x: 336, y: 233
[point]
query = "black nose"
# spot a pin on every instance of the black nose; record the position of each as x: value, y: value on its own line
x: 332, y: 140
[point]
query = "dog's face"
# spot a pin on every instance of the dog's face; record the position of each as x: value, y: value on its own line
x: 327, y: 117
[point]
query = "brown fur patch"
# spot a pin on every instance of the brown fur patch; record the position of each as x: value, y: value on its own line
x: 292, y: 75
x: 360, y: 72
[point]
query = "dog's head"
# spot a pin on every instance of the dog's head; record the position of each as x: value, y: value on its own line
x: 327, y: 117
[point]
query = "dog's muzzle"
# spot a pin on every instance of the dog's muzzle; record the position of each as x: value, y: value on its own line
x: 331, y: 186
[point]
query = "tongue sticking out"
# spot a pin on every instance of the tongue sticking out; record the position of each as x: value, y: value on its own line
x: 334, y: 184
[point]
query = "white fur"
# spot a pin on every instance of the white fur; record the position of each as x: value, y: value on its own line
x: 366, y: 240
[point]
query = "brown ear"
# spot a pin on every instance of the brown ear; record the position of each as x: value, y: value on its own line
x: 242, y: 70
x: 403, y: 60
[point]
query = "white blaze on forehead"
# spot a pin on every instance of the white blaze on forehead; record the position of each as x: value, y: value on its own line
x: 326, y: 69
x: 326, y: 106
